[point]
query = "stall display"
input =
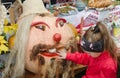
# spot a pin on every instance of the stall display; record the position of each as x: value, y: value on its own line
x: 80, y: 4
x: 66, y: 10
x: 113, y: 23
x: 94, y: 11
x: 99, y: 3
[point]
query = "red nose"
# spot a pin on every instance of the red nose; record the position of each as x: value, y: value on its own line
x: 57, y: 37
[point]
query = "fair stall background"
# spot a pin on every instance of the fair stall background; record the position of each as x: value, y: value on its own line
x: 92, y: 16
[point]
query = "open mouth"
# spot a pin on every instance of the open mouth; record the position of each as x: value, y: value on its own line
x: 48, y: 50
x: 51, y: 52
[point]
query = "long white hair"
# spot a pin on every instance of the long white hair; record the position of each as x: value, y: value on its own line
x: 15, y: 65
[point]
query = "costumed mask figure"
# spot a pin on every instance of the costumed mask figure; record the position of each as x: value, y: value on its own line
x: 39, y: 36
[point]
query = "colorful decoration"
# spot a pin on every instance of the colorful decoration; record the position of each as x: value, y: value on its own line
x: 3, y: 41
x: 10, y: 28
x: 3, y: 45
x: 116, y: 30
x: 6, y: 41
x: 113, y: 23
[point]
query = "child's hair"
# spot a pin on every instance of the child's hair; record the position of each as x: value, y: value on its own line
x: 100, y: 32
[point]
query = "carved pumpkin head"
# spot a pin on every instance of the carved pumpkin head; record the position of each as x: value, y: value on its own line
x: 47, y: 36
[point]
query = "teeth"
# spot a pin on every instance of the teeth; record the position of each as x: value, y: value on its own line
x: 52, y: 50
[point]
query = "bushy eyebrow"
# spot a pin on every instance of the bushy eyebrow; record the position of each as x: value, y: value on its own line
x: 39, y: 22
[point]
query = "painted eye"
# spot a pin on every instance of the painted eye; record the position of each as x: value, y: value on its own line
x: 61, y: 23
x: 42, y: 27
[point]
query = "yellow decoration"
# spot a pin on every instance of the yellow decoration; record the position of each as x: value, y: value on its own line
x: 3, y: 47
x: 5, y: 22
x: 10, y: 29
x: 11, y: 41
x: 2, y: 40
x: 73, y: 28
x: 77, y: 38
x: 116, y: 31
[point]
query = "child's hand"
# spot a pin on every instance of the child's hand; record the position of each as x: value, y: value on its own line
x: 62, y: 55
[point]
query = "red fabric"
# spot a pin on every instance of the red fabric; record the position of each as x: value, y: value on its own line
x: 100, y: 67
x: 79, y: 28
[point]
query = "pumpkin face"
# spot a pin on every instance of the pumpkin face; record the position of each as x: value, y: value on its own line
x: 47, y: 36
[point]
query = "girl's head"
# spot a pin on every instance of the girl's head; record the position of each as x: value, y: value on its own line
x: 97, y: 39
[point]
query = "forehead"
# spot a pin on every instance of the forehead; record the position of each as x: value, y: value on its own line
x: 45, y: 19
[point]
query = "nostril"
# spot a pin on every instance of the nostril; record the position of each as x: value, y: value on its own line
x: 57, y: 37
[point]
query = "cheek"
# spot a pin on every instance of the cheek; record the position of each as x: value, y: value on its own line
x: 37, y: 36
x: 34, y: 38
x: 31, y: 66
x: 34, y: 35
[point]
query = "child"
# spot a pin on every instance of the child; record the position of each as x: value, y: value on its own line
x: 99, y: 53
